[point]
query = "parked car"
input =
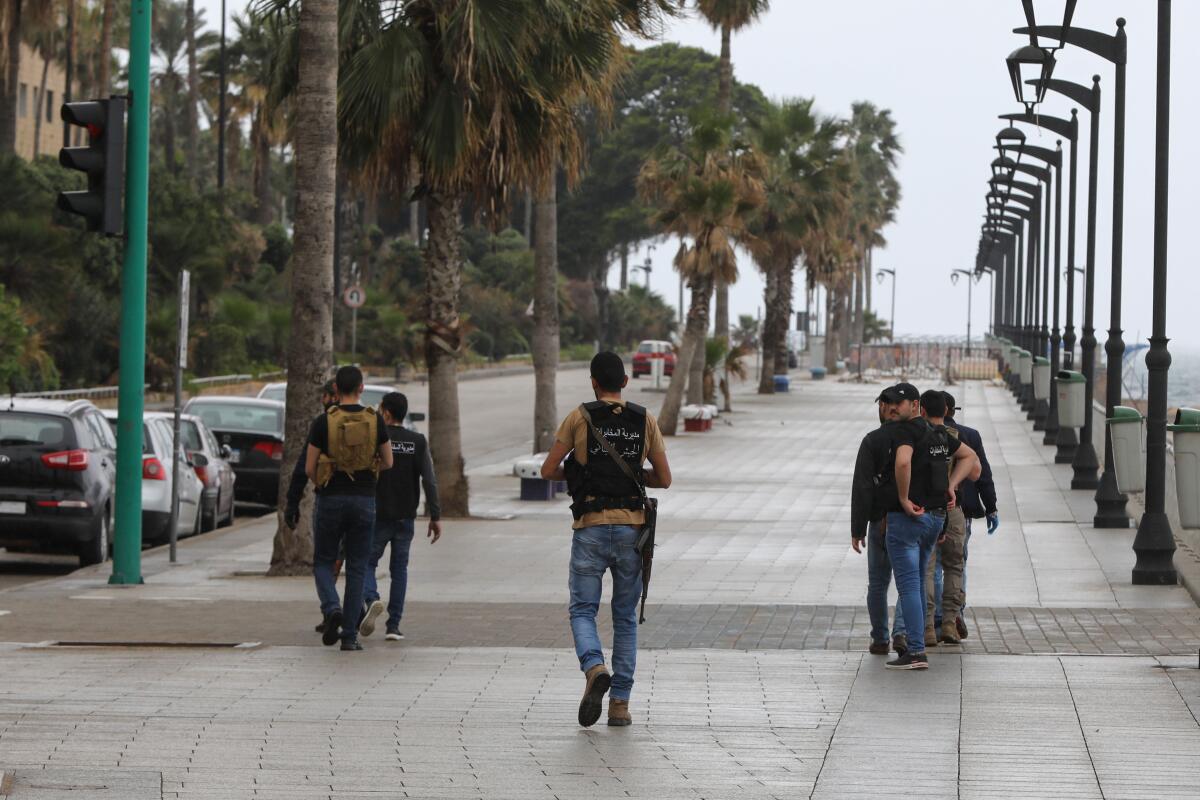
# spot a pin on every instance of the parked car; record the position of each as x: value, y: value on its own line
x: 57, y: 478
x: 252, y: 428
x: 209, y: 461
x: 372, y: 394
x: 652, y: 349
x: 157, y: 444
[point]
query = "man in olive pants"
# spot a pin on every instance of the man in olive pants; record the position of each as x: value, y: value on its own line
x: 949, y: 552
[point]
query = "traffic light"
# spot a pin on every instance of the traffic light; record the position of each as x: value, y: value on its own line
x: 103, y: 159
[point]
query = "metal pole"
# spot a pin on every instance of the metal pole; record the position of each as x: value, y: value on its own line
x: 221, y: 105
x: 1085, y: 464
x: 1155, y: 543
x: 1066, y: 443
x: 1052, y: 425
x: 1110, y: 503
x: 127, y: 537
x: 892, y: 333
x: 176, y: 449
x: 969, y: 281
x: 354, y: 335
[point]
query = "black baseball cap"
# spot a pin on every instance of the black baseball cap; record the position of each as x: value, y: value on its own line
x: 898, y: 393
x: 950, y: 402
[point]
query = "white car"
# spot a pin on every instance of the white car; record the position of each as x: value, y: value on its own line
x: 210, y: 462
x: 157, y: 435
x: 372, y: 394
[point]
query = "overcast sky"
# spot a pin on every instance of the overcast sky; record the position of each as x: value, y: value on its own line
x: 939, y: 66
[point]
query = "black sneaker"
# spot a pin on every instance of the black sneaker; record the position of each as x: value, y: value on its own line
x: 900, y: 644
x: 879, y: 649
x: 910, y: 661
x: 351, y: 644
x: 393, y: 634
x: 320, y: 626
x: 333, y: 628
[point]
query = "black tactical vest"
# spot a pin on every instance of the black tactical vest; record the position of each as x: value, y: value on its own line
x: 601, y: 484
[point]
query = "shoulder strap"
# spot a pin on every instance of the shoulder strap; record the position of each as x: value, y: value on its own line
x: 634, y: 408
x: 610, y: 450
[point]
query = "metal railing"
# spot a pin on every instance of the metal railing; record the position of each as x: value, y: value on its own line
x: 946, y: 360
x: 94, y: 393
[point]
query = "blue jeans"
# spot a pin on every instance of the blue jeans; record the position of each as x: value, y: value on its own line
x: 879, y: 578
x: 399, y: 534
x: 346, y: 521
x: 594, y: 551
x: 910, y: 541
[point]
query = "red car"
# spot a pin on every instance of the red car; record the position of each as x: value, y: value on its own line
x: 648, y: 351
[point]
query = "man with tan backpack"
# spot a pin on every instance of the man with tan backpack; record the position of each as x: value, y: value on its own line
x: 347, y: 448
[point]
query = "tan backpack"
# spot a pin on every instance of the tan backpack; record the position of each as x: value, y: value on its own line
x: 352, y: 444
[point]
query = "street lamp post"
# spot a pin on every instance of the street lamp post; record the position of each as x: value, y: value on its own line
x: 954, y: 280
x: 1110, y: 503
x: 1155, y: 543
x: 879, y: 276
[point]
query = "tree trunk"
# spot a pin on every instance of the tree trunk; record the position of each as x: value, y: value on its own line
x: 783, y: 315
x: 624, y: 266
x: 693, y: 337
x: 724, y: 108
x: 68, y: 89
x: 39, y: 108
x: 264, y: 212
x: 370, y: 215
x: 414, y: 207
x: 832, y: 327
x: 193, y: 97
x: 169, y: 137
x: 859, y: 321
x: 102, y: 69
x: 528, y: 221
x: 868, y: 278
x: 8, y: 104
x: 545, y: 318
x: 310, y: 340
x: 443, y: 348
x: 766, y: 378
x: 695, y: 387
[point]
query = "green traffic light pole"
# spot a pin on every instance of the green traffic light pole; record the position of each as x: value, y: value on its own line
x: 127, y: 538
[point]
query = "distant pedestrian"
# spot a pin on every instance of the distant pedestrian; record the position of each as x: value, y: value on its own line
x: 397, y: 500
x: 977, y: 498
x: 609, y: 511
x: 347, y: 448
x: 923, y: 487
x: 872, y: 472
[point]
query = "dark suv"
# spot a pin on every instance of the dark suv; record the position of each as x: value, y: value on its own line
x: 57, y: 478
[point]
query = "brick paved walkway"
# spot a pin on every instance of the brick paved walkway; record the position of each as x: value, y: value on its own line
x: 751, y: 681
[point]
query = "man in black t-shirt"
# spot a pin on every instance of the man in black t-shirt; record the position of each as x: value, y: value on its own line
x: 924, y: 486
x: 347, y: 447
x: 397, y: 500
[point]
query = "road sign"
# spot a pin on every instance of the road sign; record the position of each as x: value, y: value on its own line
x: 185, y: 284
x: 354, y: 296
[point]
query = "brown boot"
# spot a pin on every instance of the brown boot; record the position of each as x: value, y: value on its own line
x: 618, y: 713
x: 931, y: 637
x: 949, y: 634
x: 598, y: 681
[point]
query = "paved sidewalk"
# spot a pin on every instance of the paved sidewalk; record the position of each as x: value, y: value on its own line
x: 752, y: 681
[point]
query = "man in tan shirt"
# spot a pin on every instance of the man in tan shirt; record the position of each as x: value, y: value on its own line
x: 608, y: 512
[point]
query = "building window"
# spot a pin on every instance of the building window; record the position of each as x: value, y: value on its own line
x: 23, y: 101
x: 49, y: 106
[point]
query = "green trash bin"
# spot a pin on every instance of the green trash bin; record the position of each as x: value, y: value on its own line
x: 1186, y: 432
x: 1025, y: 366
x: 1072, y: 388
x: 1127, y: 432
x: 1041, y: 378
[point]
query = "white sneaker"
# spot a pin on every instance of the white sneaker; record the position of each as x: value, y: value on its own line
x: 367, y: 626
x: 394, y: 636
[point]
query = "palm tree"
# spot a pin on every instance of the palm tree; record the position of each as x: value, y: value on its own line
x: 191, y: 121
x: 16, y: 18
x: 310, y: 340
x: 103, y: 82
x: 169, y: 78
x: 454, y: 87
x: 704, y: 193
x: 253, y: 59
x: 728, y: 16
x: 802, y: 168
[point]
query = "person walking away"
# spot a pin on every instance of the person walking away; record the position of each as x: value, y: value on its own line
x: 923, y: 489
x: 397, y: 499
x: 608, y: 510
x: 948, y: 552
x: 977, y: 499
x: 299, y: 481
x: 347, y: 448
x: 867, y: 512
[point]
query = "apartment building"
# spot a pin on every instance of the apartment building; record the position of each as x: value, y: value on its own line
x: 31, y: 105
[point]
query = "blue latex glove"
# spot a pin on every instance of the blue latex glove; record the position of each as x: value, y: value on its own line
x: 993, y: 522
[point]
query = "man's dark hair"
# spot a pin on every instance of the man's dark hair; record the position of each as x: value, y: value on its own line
x: 934, y: 403
x: 609, y: 371
x: 330, y: 388
x: 395, y: 404
x: 349, y: 380
x: 950, y: 407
